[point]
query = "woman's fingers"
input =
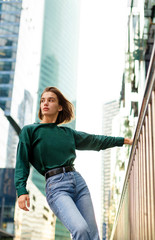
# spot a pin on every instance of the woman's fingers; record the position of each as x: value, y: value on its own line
x: 28, y: 201
x: 24, y: 202
x: 128, y: 141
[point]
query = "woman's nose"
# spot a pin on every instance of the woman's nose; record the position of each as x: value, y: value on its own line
x: 46, y: 102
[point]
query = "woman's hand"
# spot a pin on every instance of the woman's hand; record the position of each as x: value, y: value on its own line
x: 24, y: 202
x: 128, y: 141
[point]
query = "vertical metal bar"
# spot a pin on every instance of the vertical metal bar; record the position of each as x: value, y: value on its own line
x: 152, y: 165
x: 130, y: 207
x: 148, y: 178
x: 153, y: 126
x: 133, y: 205
x: 139, y: 188
x: 128, y: 211
x: 145, y: 184
x: 131, y: 200
x: 153, y: 131
x: 142, y: 188
x: 136, y: 197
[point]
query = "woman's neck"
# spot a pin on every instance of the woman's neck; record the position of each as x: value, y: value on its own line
x: 48, y: 120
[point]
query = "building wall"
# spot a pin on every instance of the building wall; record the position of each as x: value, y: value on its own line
x: 59, y: 46
x: 10, y: 12
x: 140, y: 40
x: 39, y: 222
x: 110, y: 110
x: 28, y: 60
x: 9, y: 29
x: 7, y: 201
x: 4, y: 126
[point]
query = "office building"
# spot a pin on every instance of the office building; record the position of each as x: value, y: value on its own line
x: 140, y: 41
x: 110, y: 111
x: 10, y: 12
x: 7, y: 203
x: 39, y: 222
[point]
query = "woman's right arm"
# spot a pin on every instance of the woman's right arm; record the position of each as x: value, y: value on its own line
x: 22, y: 169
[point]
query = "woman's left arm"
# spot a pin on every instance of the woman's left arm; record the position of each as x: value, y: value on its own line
x: 86, y: 141
x: 128, y: 141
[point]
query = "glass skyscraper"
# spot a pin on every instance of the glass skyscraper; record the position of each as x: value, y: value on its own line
x: 10, y: 12
x: 9, y: 27
x: 59, y: 47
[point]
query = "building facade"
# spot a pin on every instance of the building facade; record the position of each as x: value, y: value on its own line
x: 7, y: 202
x: 39, y: 222
x: 4, y: 126
x: 110, y: 111
x: 140, y: 42
x: 10, y: 12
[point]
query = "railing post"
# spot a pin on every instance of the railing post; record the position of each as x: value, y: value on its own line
x: 148, y: 178
x: 151, y: 120
x: 144, y: 186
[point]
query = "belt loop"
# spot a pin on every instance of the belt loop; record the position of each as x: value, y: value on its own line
x: 64, y: 170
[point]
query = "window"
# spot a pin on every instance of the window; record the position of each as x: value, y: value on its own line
x: 34, y: 198
x: 45, y: 208
x: 46, y: 218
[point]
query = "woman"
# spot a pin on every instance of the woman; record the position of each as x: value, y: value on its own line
x: 51, y: 150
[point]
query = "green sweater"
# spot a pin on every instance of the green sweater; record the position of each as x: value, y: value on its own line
x: 47, y: 146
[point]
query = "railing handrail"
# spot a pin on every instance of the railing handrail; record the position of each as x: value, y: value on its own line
x: 150, y: 82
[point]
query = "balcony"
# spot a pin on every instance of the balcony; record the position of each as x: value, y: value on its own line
x: 135, y: 218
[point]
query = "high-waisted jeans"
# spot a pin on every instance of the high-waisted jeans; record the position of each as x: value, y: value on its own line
x: 69, y: 198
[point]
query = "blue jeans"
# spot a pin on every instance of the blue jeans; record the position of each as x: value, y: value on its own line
x: 69, y: 198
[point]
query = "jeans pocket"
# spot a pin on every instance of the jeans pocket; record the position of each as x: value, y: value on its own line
x: 54, y: 179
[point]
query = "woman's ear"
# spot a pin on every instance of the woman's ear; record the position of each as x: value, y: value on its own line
x: 60, y: 108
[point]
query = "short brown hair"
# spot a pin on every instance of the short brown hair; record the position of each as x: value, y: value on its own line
x: 67, y: 113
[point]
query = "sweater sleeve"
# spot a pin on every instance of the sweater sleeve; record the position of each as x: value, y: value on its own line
x: 85, y: 141
x: 22, y: 168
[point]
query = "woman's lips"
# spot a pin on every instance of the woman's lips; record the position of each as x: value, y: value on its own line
x: 45, y: 109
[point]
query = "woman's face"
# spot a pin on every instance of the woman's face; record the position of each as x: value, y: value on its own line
x: 49, y: 104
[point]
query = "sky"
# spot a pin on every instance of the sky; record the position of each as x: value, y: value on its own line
x: 102, y: 40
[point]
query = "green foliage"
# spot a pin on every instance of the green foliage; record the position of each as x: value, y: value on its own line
x: 127, y: 131
x: 130, y: 69
x: 140, y: 44
x: 127, y: 134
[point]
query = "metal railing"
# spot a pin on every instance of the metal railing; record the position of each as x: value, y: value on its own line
x: 135, y: 219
